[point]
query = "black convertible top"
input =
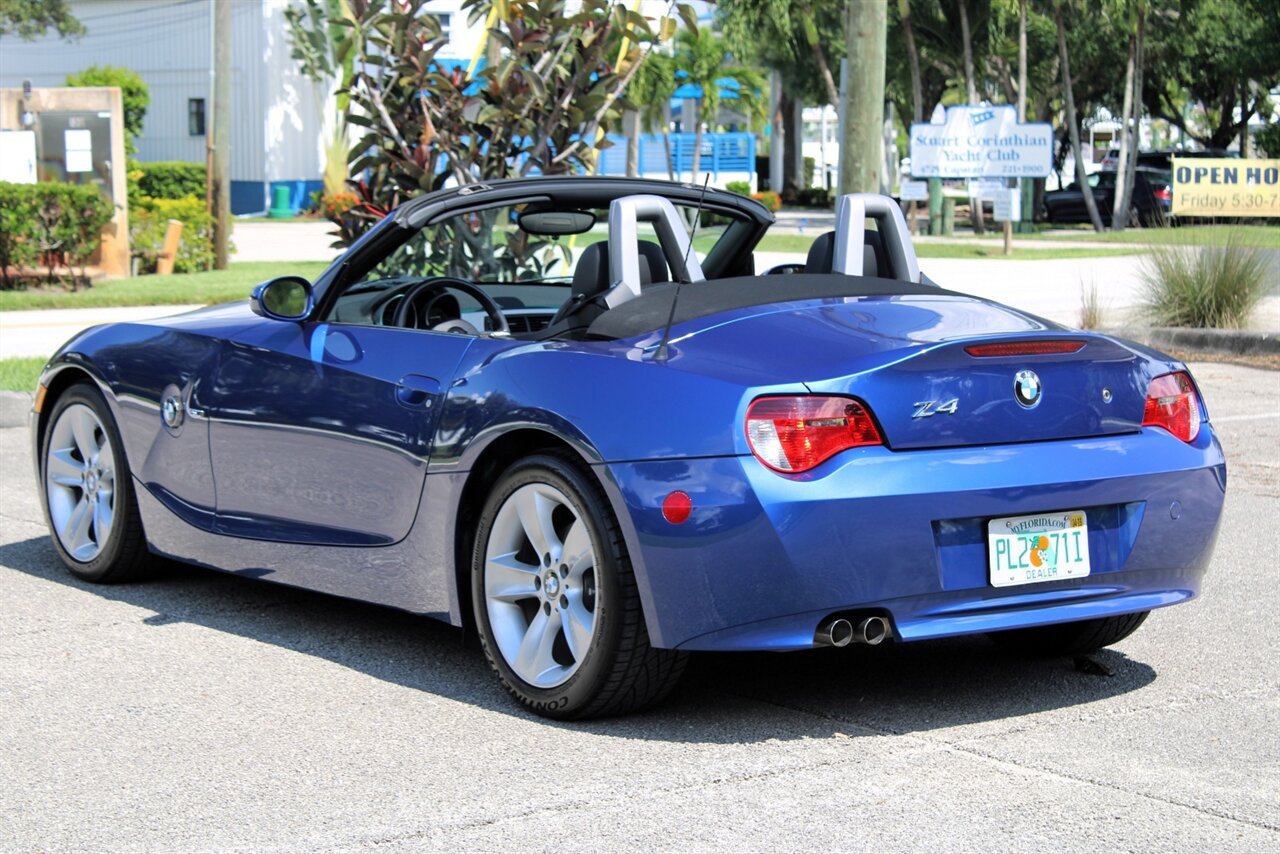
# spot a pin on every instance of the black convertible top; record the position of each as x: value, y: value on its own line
x: 649, y: 311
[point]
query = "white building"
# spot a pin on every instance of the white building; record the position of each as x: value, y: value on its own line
x: 277, y: 124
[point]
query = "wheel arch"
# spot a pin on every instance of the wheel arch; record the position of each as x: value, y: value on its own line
x: 501, y: 452
x: 56, y: 378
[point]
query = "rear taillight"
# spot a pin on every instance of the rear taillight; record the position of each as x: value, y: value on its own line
x: 1164, y: 194
x: 794, y: 434
x: 1172, y: 405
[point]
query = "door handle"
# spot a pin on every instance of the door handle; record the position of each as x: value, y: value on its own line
x: 416, y: 391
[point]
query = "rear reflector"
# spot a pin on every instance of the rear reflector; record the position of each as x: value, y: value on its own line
x: 1024, y: 348
x: 676, y: 507
x: 1172, y: 405
x: 794, y: 434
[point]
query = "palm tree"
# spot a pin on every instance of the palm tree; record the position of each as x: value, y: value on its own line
x: 651, y: 91
x: 704, y: 59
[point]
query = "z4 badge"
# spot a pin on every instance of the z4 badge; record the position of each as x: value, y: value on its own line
x: 928, y: 408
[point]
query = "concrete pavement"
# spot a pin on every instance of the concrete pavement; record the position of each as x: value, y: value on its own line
x: 40, y: 333
x: 209, y: 712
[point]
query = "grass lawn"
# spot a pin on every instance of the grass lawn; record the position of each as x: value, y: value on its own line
x: 20, y: 374
x: 189, y: 289
x: 1187, y: 235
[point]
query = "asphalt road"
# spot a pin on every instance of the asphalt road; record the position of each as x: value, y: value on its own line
x: 210, y: 712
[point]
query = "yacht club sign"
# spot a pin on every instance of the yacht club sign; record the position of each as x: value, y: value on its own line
x: 981, y: 142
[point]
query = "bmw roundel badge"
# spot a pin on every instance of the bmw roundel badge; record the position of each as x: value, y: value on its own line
x: 1026, y: 388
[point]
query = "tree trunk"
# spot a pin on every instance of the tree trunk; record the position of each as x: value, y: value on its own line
x: 1073, y: 123
x: 1131, y: 168
x: 913, y: 59
x: 791, y: 141
x: 970, y: 84
x: 631, y: 124
x: 866, y: 23
x: 1120, y: 199
x: 820, y: 57
x: 971, y: 90
x: 697, y: 140
x: 1022, y: 60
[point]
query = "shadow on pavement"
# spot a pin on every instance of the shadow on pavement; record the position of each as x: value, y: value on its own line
x: 858, y: 691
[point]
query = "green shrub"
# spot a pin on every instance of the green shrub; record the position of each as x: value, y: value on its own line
x: 147, y: 223
x: 742, y: 188
x: 1205, y: 286
x: 54, y: 225
x: 170, y: 179
x: 133, y: 93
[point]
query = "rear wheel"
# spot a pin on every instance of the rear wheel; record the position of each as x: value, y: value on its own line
x: 1078, y: 638
x: 555, y: 597
x: 88, y: 491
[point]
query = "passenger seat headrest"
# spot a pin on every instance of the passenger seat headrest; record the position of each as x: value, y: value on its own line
x: 655, y: 271
x: 821, y: 254
x: 591, y: 277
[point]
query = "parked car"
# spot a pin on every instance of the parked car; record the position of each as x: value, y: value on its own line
x: 1162, y: 159
x: 531, y: 409
x: 1151, y: 204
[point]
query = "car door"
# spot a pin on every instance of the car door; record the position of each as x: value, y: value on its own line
x: 319, y: 432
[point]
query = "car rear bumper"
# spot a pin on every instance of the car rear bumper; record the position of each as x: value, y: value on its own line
x: 763, y: 558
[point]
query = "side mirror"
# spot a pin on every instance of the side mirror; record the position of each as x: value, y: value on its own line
x: 283, y: 298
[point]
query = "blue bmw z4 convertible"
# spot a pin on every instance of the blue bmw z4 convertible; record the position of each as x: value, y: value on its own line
x: 539, y: 410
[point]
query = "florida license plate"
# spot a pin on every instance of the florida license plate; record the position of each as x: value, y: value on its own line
x: 1034, y: 549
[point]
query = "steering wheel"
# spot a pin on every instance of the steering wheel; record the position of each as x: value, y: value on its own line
x: 417, y: 294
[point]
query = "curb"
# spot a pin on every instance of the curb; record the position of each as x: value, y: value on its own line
x: 1226, y: 342
x: 14, y: 408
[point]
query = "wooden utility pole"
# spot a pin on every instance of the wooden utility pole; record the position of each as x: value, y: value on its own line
x: 866, y: 27
x: 221, y: 134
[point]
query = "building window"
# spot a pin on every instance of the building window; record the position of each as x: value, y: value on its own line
x: 445, y: 22
x: 195, y: 116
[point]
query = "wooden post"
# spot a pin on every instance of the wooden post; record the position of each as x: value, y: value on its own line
x: 169, y: 252
x: 1008, y: 237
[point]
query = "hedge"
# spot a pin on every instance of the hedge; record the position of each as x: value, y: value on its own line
x: 170, y: 179
x: 148, y: 219
x: 51, y: 225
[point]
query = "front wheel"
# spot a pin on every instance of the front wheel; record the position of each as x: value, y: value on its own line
x: 88, y: 491
x: 555, y: 597
x: 1078, y: 638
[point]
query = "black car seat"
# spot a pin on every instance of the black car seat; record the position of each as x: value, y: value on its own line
x: 653, y: 263
x: 591, y: 279
x: 874, y: 260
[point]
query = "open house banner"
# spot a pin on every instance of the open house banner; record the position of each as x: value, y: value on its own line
x: 1226, y: 187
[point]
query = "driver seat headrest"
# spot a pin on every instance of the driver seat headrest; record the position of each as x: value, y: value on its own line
x: 591, y: 275
x: 822, y: 255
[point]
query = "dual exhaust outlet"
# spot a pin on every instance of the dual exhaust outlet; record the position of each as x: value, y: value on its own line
x: 839, y: 631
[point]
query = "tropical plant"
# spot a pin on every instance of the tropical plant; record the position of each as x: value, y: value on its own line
x: 542, y: 107
x: 323, y: 43
x: 705, y: 61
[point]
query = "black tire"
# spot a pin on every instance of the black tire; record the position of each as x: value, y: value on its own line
x: 621, y: 672
x: 1078, y: 638
x: 124, y: 556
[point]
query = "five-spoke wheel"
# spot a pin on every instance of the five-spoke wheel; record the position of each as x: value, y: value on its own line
x: 555, y: 598
x: 540, y: 585
x: 88, y: 495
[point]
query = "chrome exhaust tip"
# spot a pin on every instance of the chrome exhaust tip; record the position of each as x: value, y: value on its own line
x: 872, y: 630
x: 836, y: 631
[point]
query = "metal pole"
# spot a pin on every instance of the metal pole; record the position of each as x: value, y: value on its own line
x: 222, y: 135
